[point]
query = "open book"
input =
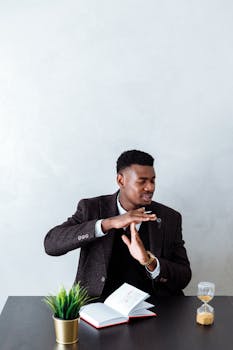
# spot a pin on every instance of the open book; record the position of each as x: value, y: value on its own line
x: 125, y: 303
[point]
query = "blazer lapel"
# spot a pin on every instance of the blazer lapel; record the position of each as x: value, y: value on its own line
x: 156, y: 233
x: 155, y: 238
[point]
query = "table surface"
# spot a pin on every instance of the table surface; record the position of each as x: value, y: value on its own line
x: 26, y: 323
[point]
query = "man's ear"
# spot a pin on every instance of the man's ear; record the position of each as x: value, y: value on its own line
x: 120, y: 180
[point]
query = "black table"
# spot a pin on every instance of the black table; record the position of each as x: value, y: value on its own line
x: 26, y: 324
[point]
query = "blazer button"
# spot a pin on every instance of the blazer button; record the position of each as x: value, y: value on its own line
x: 102, y: 279
x: 163, y: 280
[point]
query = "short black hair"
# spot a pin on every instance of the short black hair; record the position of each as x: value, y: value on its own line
x: 128, y: 158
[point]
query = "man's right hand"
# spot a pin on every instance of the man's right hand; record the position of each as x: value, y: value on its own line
x: 124, y: 220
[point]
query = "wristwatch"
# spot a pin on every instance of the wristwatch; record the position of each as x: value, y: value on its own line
x: 149, y: 261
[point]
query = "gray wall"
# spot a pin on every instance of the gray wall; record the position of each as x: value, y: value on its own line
x: 82, y: 81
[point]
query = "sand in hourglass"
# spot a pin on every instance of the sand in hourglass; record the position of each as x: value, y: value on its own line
x: 205, y: 298
x: 204, y: 317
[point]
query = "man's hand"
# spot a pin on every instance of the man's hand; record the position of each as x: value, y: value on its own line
x: 132, y: 216
x: 135, y: 245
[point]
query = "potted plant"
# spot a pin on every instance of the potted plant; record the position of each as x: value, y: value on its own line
x: 65, y: 307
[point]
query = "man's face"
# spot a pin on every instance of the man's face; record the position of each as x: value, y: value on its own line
x: 137, y: 185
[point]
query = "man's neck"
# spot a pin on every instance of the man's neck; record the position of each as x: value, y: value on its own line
x: 125, y: 204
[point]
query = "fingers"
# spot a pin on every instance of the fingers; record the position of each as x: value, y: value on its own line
x: 133, y: 228
x: 135, y: 245
x: 126, y: 240
x: 141, y: 215
x: 141, y: 210
x: 134, y: 232
x: 136, y: 216
x: 136, y: 242
x: 135, y: 239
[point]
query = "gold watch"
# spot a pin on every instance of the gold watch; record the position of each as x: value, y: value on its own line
x: 151, y: 258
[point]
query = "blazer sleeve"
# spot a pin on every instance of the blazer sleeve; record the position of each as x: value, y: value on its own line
x: 76, y: 232
x: 175, y: 272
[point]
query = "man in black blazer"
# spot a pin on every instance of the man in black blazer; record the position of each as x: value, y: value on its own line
x: 126, y: 237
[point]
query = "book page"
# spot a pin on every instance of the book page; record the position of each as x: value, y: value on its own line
x: 142, y: 306
x: 125, y: 298
x: 142, y: 313
x: 100, y: 315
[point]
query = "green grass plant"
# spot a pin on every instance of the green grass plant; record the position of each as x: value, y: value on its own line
x: 66, y: 305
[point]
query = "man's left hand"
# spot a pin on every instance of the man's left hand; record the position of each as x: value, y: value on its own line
x: 135, y: 245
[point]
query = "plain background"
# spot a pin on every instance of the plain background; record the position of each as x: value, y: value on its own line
x: 82, y: 81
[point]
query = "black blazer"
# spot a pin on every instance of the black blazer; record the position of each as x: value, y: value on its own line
x: 165, y: 241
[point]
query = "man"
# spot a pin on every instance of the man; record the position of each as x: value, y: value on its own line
x: 126, y: 237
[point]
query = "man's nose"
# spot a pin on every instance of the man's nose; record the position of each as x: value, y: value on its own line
x: 149, y: 187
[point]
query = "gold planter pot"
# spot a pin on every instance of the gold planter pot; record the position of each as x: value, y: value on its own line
x: 66, y: 330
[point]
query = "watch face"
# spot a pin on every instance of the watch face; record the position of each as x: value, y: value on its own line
x: 150, y: 261
x: 152, y: 258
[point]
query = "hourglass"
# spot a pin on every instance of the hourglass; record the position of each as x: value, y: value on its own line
x: 205, y: 313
